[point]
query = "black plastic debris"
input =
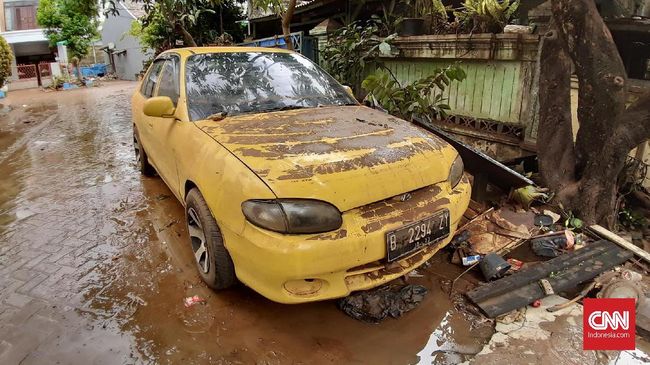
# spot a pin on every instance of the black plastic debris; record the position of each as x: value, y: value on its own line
x: 374, y: 306
x: 493, y: 266
x: 552, y: 244
x: 543, y: 220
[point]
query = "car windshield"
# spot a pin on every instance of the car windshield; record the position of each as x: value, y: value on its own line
x: 253, y: 82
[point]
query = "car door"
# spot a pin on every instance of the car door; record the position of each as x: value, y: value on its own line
x: 144, y: 123
x: 164, y: 129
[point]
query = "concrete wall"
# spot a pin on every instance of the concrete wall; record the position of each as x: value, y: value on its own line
x: 115, y: 30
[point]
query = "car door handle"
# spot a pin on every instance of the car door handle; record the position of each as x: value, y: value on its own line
x: 150, y: 124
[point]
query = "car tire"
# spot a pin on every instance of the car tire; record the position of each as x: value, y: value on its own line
x: 141, y: 157
x: 212, y: 259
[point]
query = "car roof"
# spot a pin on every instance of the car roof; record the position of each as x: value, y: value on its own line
x: 187, y: 51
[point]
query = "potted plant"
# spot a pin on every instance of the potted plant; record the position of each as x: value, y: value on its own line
x: 413, y: 22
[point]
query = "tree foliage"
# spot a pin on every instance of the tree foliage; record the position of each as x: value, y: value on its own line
x: 71, y: 21
x: 350, y: 49
x: 422, y: 98
x: 6, y: 55
x: 486, y: 16
x: 205, y: 25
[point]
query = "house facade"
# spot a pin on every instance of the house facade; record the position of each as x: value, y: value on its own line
x: 124, y: 53
x: 32, y: 54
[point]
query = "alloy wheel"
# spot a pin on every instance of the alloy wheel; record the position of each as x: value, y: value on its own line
x: 197, y: 238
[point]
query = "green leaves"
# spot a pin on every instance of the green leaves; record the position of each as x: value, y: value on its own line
x: 351, y: 49
x: 423, y: 97
x: 68, y: 20
x: 486, y: 15
x: 6, y: 56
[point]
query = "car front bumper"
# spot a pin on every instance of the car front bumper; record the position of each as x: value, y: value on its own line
x: 306, y: 268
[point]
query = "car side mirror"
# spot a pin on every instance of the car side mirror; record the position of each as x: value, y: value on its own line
x: 349, y: 90
x: 159, y: 106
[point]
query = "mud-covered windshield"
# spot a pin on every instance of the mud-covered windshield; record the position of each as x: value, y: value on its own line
x: 238, y: 83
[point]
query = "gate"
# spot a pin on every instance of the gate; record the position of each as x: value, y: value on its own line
x: 27, y: 72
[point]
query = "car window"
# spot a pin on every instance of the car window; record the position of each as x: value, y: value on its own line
x: 169, y: 80
x: 255, y: 82
x: 149, y: 84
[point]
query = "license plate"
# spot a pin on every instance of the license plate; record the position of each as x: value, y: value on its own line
x: 412, y: 237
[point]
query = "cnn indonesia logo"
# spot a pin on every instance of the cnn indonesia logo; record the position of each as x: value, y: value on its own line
x: 608, y: 324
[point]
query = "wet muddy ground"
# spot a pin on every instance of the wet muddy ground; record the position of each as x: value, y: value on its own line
x: 95, y: 263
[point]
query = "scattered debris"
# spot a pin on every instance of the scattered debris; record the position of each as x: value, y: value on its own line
x: 515, y: 265
x: 562, y: 273
x: 136, y: 299
x: 543, y: 220
x: 493, y: 266
x: 375, y: 305
x: 529, y: 194
x: 497, y: 229
x: 556, y: 217
x: 190, y: 301
x: 552, y: 244
x: 471, y: 260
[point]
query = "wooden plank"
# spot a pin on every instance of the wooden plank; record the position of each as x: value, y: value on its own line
x: 497, y: 91
x: 461, y: 91
x: 506, y: 101
x: 515, y: 107
x: 609, y: 235
x: 486, y: 97
x: 452, y: 95
x: 478, y: 91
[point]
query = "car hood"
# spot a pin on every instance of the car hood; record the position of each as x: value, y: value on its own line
x: 348, y: 156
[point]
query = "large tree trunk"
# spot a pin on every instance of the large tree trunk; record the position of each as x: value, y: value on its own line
x: 286, y: 23
x: 585, y: 174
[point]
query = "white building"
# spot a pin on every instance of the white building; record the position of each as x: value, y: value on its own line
x: 32, y: 54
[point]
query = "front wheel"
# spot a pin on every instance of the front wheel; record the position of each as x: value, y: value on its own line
x: 212, y: 259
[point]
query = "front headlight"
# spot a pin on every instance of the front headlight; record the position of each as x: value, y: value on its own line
x: 293, y: 215
x: 456, y: 172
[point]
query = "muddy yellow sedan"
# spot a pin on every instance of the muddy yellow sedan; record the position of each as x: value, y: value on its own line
x: 289, y: 185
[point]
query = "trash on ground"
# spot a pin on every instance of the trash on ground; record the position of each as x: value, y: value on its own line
x: 493, y: 266
x: 543, y: 220
x: 562, y: 273
x: 190, y: 301
x: 556, y: 217
x: 499, y: 228
x: 529, y: 194
x: 552, y: 244
x: 518, y: 330
x: 471, y: 260
x: 375, y: 305
x: 515, y: 265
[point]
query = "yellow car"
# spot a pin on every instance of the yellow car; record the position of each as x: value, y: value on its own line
x: 289, y: 185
